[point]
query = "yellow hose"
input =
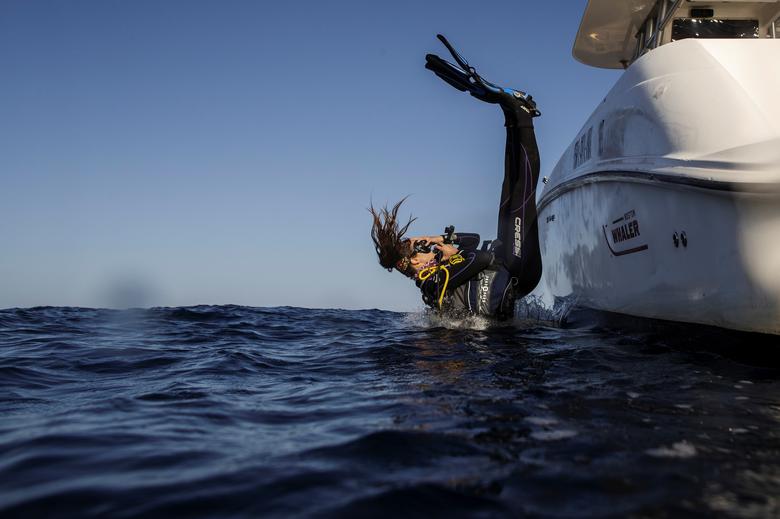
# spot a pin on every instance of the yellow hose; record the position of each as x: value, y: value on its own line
x: 429, y: 271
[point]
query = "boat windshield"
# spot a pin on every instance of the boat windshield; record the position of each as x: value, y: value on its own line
x: 713, y: 28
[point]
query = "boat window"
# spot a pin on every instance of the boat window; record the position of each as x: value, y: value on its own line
x: 713, y: 28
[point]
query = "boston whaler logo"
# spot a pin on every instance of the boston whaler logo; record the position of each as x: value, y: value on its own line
x: 624, y: 235
x: 629, y: 228
x: 518, y: 248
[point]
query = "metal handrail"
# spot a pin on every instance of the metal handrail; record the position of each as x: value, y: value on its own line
x: 665, y: 17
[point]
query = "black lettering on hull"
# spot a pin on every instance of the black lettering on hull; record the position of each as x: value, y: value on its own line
x: 624, y: 232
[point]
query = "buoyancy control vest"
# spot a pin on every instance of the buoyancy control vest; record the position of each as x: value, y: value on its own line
x: 489, y: 294
x: 472, y: 281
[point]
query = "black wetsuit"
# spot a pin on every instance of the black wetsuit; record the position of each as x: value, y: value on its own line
x: 460, y: 272
x: 478, y: 282
x: 487, y: 282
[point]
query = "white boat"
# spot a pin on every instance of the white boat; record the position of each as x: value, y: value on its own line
x: 667, y: 203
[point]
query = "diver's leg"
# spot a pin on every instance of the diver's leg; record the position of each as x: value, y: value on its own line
x: 517, y: 219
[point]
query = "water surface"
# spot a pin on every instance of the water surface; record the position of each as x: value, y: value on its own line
x: 242, y: 412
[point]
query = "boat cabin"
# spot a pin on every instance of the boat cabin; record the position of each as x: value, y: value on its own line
x: 613, y: 33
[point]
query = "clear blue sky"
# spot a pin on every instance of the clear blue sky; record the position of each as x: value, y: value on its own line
x: 188, y: 152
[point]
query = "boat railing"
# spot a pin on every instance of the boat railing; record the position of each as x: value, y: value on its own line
x: 651, y: 31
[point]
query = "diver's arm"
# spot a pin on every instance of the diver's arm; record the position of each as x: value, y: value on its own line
x: 447, y: 250
x: 433, y: 240
x: 466, y: 240
x: 475, y: 262
x: 459, y: 274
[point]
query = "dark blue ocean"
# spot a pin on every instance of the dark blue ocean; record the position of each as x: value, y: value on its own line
x: 287, y: 412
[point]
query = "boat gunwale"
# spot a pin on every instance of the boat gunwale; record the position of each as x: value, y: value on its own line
x: 650, y: 178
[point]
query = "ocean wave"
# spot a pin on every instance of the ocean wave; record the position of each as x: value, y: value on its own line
x: 215, y: 411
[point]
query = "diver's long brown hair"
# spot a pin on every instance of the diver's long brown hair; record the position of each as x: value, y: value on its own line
x: 388, y: 235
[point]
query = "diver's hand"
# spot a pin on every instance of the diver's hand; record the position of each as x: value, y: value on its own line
x: 431, y: 240
x: 447, y: 251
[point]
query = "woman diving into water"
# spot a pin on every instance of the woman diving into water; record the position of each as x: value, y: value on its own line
x: 452, y: 274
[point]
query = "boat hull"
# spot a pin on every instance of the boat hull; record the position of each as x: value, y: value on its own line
x: 667, y: 204
x: 651, y: 248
